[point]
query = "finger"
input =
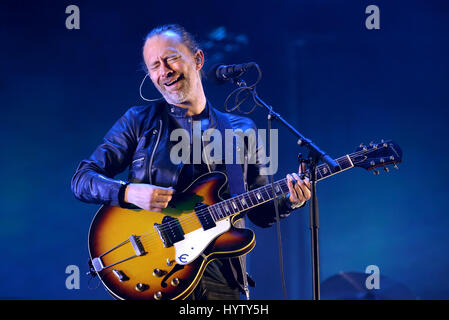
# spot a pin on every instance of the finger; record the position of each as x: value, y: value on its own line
x: 305, y: 189
x: 159, y: 204
x: 293, y: 195
x: 302, y: 170
x: 164, y: 191
x: 161, y: 198
x: 155, y: 209
x: 298, y: 187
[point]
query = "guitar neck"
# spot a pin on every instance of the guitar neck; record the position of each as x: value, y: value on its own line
x: 268, y: 192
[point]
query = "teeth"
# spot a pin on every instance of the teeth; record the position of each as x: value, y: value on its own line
x: 170, y: 83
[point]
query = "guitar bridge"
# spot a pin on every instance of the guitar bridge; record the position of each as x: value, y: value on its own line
x: 137, y: 245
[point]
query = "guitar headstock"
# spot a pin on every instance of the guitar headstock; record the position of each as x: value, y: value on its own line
x: 377, y: 155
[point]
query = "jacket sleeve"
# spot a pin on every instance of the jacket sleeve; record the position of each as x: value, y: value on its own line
x: 93, y: 181
x: 264, y: 215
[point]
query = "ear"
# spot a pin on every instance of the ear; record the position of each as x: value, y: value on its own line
x: 199, y: 59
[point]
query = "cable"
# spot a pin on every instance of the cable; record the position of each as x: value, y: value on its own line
x: 243, y: 88
x: 140, y: 91
x: 278, y: 227
x: 251, y: 92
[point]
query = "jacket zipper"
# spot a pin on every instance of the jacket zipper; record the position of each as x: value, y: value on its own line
x: 154, y: 151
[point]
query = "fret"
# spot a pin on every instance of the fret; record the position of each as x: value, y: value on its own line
x: 226, y: 208
x: 351, y: 164
x: 253, y: 197
x: 217, y: 209
x: 237, y: 202
x: 243, y: 202
x: 318, y: 171
x: 248, y: 199
x: 233, y: 205
x: 284, y: 185
x: 277, y: 189
x: 264, y: 193
x: 258, y: 195
x: 212, y: 213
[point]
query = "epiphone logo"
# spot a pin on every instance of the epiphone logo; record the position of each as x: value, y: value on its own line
x: 183, y: 257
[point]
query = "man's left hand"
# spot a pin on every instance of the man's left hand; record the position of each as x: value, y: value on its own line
x: 299, y: 188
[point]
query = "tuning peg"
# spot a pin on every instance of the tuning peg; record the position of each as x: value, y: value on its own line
x: 382, y: 141
x: 361, y: 145
x: 371, y: 143
x: 375, y: 172
x: 396, y: 167
x: 386, y: 169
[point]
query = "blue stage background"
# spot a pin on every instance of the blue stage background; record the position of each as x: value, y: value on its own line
x: 337, y: 82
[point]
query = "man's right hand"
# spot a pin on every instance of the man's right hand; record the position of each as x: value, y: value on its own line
x: 147, y: 196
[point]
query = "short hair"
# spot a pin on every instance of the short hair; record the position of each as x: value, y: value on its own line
x: 186, y: 37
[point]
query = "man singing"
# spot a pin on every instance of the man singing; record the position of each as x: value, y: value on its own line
x: 140, y: 141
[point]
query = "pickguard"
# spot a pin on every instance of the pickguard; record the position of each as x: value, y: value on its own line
x: 196, y: 242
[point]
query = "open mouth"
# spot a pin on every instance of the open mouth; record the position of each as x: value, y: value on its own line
x: 168, y: 84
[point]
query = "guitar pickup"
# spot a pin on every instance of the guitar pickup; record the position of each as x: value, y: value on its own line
x: 170, y: 231
x: 203, y: 215
x: 137, y: 245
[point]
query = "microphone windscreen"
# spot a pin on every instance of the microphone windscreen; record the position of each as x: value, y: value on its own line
x: 212, y: 75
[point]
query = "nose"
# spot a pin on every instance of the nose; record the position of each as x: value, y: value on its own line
x: 166, y: 70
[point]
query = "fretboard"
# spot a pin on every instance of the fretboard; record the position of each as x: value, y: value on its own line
x: 268, y: 192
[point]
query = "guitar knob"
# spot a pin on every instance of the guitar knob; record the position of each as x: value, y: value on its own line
x: 396, y: 167
x: 174, y: 282
x: 158, y: 272
x: 170, y: 262
x: 386, y: 169
x: 158, y: 295
x: 376, y: 172
x: 141, y: 287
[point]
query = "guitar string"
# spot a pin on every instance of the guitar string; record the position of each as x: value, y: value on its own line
x: 167, y: 225
x: 150, y: 239
x: 343, y: 161
x: 192, y: 218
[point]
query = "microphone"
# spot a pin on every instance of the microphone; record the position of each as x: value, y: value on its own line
x: 221, y: 73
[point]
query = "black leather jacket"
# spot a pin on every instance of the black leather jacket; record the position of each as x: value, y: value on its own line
x: 140, y: 140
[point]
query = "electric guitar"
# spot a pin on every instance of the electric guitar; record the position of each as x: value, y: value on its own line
x: 139, y: 254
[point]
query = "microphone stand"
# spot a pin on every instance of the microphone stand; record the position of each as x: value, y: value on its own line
x: 314, y: 157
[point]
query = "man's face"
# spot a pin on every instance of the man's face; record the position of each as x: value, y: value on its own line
x: 172, y: 67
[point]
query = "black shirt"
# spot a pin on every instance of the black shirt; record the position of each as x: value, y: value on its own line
x: 216, y: 269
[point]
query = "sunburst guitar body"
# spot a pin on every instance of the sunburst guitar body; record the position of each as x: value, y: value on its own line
x: 141, y: 254
x: 148, y: 255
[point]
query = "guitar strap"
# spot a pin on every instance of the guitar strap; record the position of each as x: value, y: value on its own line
x: 233, y: 170
x: 237, y: 185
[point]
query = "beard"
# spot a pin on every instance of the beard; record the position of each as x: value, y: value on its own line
x: 178, y: 96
